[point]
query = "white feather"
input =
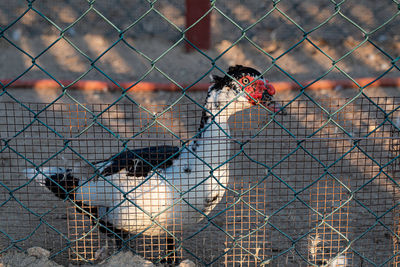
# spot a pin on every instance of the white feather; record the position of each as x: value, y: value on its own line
x: 340, y: 261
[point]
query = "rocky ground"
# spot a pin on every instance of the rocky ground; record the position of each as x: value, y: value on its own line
x: 38, y: 257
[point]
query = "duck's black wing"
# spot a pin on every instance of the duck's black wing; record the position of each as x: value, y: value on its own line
x: 139, y: 162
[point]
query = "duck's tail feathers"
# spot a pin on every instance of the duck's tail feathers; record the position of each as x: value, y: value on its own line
x: 59, y: 181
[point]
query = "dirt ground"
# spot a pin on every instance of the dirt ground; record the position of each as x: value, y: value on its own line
x: 33, y: 218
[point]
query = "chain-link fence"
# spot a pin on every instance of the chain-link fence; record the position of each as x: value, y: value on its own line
x: 313, y: 181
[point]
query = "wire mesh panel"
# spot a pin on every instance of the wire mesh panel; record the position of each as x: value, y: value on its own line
x: 323, y: 190
x: 313, y: 185
x: 394, y: 169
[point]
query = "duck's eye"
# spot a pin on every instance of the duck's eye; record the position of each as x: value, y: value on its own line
x: 245, y: 81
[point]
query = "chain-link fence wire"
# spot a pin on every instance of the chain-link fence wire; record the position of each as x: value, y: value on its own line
x: 327, y: 225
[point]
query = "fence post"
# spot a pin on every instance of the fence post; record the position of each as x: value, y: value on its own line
x: 199, y: 35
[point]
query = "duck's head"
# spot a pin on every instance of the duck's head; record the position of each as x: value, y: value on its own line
x: 241, y: 88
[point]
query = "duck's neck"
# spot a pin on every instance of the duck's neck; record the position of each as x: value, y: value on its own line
x: 205, y: 162
x: 212, y: 141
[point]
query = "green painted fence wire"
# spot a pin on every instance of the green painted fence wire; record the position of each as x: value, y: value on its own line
x: 337, y: 6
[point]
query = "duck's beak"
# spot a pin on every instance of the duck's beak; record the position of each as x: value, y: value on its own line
x: 266, y: 97
x: 268, y: 91
x: 267, y: 101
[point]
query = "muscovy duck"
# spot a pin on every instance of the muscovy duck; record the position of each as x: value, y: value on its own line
x: 126, y: 193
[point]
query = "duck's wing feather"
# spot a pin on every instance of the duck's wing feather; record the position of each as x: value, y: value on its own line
x: 139, y: 162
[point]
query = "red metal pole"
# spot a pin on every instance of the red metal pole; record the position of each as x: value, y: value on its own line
x: 200, y: 34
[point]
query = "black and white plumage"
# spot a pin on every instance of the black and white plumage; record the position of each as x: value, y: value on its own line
x: 129, y: 195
